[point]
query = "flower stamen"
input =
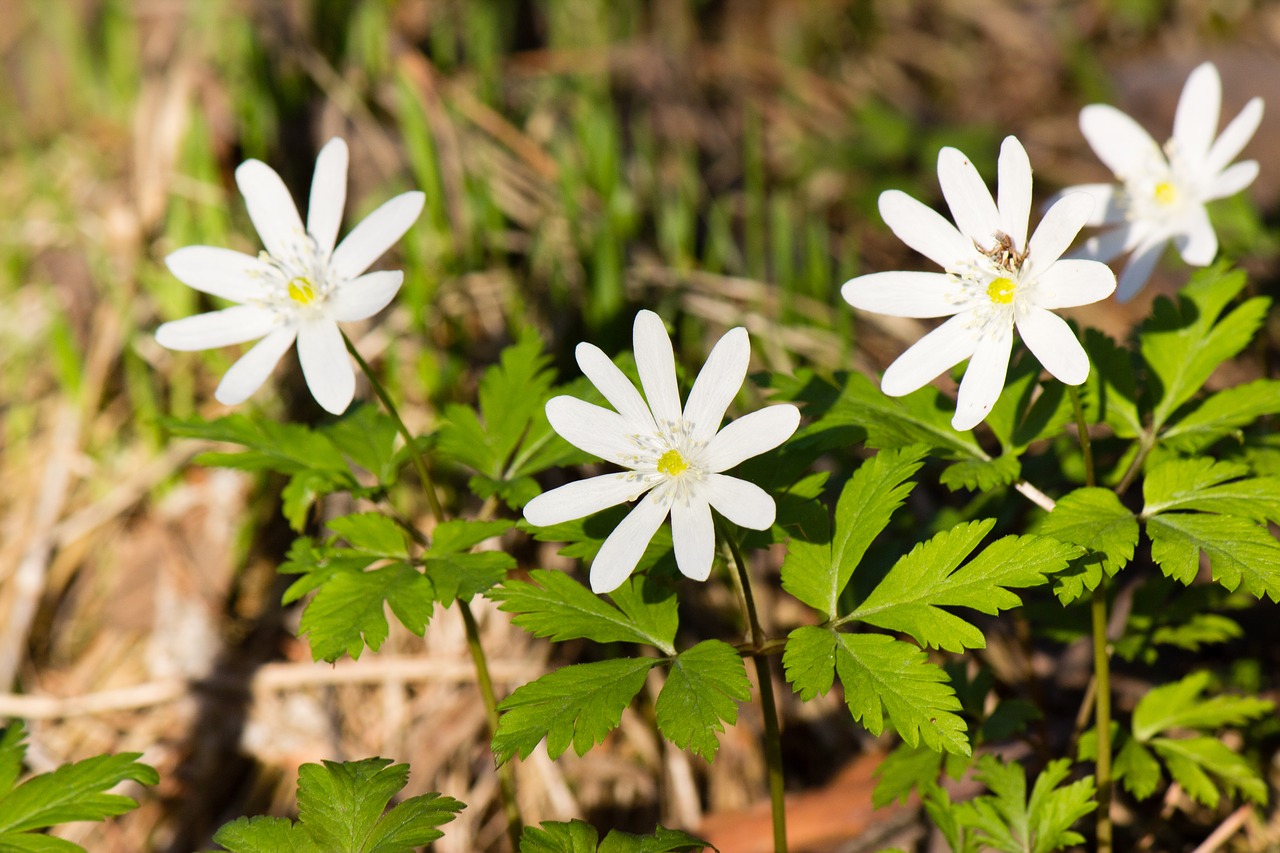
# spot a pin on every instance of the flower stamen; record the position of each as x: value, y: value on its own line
x: 1166, y: 193
x: 1000, y: 290
x: 672, y: 463
x: 302, y: 291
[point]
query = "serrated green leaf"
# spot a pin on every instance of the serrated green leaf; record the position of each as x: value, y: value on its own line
x: 464, y: 576
x: 1094, y: 519
x: 576, y: 705
x: 945, y: 815
x: 1138, y: 769
x: 573, y: 836
x: 903, y: 771
x: 1239, y: 551
x: 816, y: 572
x: 1207, y: 485
x: 348, y: 611
x: 300, y: 494
x: 1223, y: 413
x: 269, y: 446
x: 879, y: 674
x: 266, y: 835
x: 1179, y: 705
x: 72, y: 792
x: 368, y: 438
x: 701, y: 694
x: 922, y: 417
x: 1008, y: 821
x: 980, y: 475
x: 1183, y: 343
x: 662, y: 841
x: 911, y: 596
x: 1111, y: 389
x: 372, y: 533
x: 1192, y: 762
x: 555, y: 606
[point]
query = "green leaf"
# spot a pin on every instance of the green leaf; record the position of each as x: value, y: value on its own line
x: 981, y: 475
x: 1207, y: 485
x: 1138, y: 769
x: 269, y: 446
x: 555, y: 606
x: 1010, y: 821
x: 368, y: 438
x: 662, y: 841
x: 458, y: 536
x: 300, y: 494
x: 911, y: 596
x: 1179, y: 705
x: 1239, y: 551
x: 879, y: 674
x: 1184, y: 343
x: 342, y: 808
x: 348, y: 611
x: 1222, y: 414
x: 904, y: 770
x: 72, y: 792
x: 1094, y: 519
x: 1111, y: 389
x: 372, y: 533
x: 701, y: 694
x: 1204, y: 766
x: 576, y: 705
x: 946, y: 816
x: 817, y: 572
x: 578, y: 837
x: 922, y: 417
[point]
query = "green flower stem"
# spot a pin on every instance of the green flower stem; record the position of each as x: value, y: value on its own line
x: 506, y: 772
x: 1101, y: 656
x: 764, y: 674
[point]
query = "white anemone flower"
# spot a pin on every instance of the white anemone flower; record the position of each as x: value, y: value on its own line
x: 1163, y: 192
x: 299, y: 288
x: 674, y: 456
x: 994, y: 279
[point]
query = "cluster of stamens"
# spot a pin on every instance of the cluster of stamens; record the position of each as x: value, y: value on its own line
x: 300, y: 276
x: 666, y: 461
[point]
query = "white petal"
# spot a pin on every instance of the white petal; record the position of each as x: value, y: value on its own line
x: 593, y: 428
x: 743, y: 503
x: 615, y: 386
x: 694, y: 535
x: 907, y: 294
x: 1119, y: 141
x: 1108, y: 245
x: 1051, y: 341
x: 220, y: 272
x: 253, y: 368
x: 1196, y: 120
x: 1232, y: 180
x: 968, y: 197
x: 717, y: 384
x: 940, y: 350
x: 923, y: 229
x: 1233, y: 138
x: 625, y: 546
x: 1014, y: 190
x: 750, y: 435
x: 581, y: 498
x: 1196, y: 240
x: 326, y: 365
x: 369, y: 240
x: 364, y: 296
x: 1071, y: 282
x: 270, y: 207
x: 1108, y: 201
x: 1141, y: 263
x: 1060, y: 225
x: 233, y: 325
x: 657, y: 365
x: 328, y: 195
x: 983, y: 381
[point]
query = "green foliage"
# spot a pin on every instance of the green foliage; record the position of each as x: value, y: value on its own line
x: 578, y: 837
x: 576, y: 705
x: 922, y: 417
x: 508, y: 439
x: 905, y: 769
x: 1222, y: 414
x: 342, y: 808
x: 1095, y: 520
x: 701, y: 694
x: 1008, y: 820
x: 1111, y: 391
x: 72, y: 792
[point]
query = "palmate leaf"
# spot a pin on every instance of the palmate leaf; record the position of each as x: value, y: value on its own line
x: 911, y: 596
x: 72, y: 792
x: 454, y: 571
x: 1111, y: 391
x: 1184, y: 342
x: 1095, y: 520
x: 1137, y: 768
x: 922, y: 417
x: 368, y: 438
x: 269, y: 446
x: 576, y: 705
x: 1222, y: 414
x: 347, y: 612
x: 555, y: 606
x: 879, y: 675
x: 701, y: 694
x: 1240, y: 551
x: 816, y: 572
x: 1205, y: 766
x: 1008, y: 820
x: 342, y: 808
x: 1179, y: 705
x: 903, y: 771
x: 578, y: 837
x: 1207, y: 485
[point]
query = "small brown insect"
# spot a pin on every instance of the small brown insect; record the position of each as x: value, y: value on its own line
x: 1003, y: 253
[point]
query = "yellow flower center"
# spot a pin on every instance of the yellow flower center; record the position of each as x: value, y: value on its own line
x: 1000, y: 290
x: 1166, y: 193
x: 302, y: 291
x: 672, y: 463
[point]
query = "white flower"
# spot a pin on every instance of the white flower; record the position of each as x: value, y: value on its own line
x: 300, y: 288
x: 675, y: 456
x: 1163, y: 192
x: 995, y: 279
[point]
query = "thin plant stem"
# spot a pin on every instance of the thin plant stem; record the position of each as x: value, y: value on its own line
x: 1101, y: 657
x: 764, y: 674
x: 506, y: 773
